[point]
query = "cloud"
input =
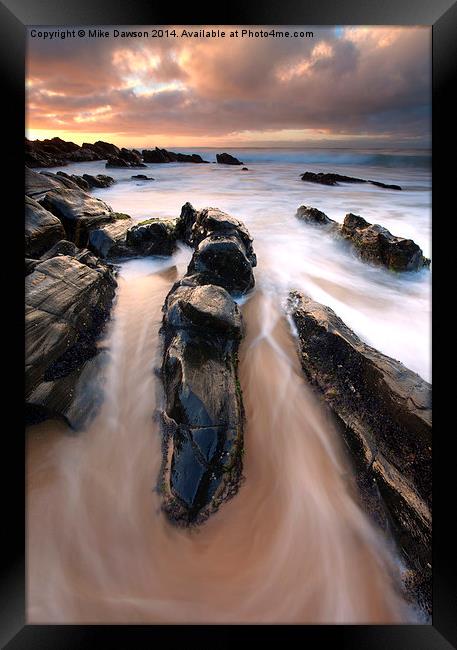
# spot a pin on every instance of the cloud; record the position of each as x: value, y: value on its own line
x: 350, y: 81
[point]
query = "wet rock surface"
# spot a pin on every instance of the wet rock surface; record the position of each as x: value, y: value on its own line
x: 202, y: 419
x: 384, y: 411
x: 336, y: 179
x: 372, y: 243
x: 67, y: 304
x: 42, y: 229
x: 152, y: 237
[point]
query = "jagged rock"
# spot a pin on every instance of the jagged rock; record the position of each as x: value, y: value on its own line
x: 372, y: 242
x: 101, y: 180
x: 67, y: 304
x: 152, y: 237
x: 79, y: 180
x: 42, y: 229
x: 163, y: 156
x: 224, y: 255
x: 185, y: 222
x: 78, y: 211
x: 122, y: 160
x: 82, y: 155
x: 48, y: 153
x: 385, y: 413
x: 227, y: 159
x: 203, y: 415
x: 335, y: 179
x: 103, y: 149
x: 109, y: 240
x: 376, y: 244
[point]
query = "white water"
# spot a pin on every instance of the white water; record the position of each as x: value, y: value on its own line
x: 293, y: 546
x: 390, y: 311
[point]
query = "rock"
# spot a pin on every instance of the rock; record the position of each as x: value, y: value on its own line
x: 227, y: 159
x: 48, y: 153
x: 376, y: 244
x: 83, y: 155
x: 122, y: 160
x: 185, y: 223
x: 101, y: 180
x: 109, y: 240
x: 244, y: 169
x: 36, y: 184
x: 62, y: 247
x: 335, y: 179
x: 384, y: 411
x: 152, y: 237
x: 202, y: 419
x: 62, y: 180
x: 103, y: 149
x: 142, y: 177
x: 313, y: 215
x: 224, y: 255
x: 78, y: 211
x: 42, y: 229
x: 372, y: 242
x: 163, y: 156
x: 79, y: 180
x: 67, y: 304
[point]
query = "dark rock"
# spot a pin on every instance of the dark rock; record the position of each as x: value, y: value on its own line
x: 78, y: 211
x: 37, y: 184
x: 123, y: 160
x: 185, y: 223
x: 42, y: 229
x: 82, y: 155
x: 62, y: 180
x: 227, y: 159
x: 142, y: 177
x: 244, y: 169
x: 103, y: 149
x: 109, y: 239
x: 48, y: 153
x: 372, y: 242
x: 62, y: 247
x: 163, y: 156
x: 313, y: 215
x: 376, y: 244
x: 79, y: 180
x: 385, y: 414
x: 152, y: 237
x: 202, y: 327
x: 335, y: 179
x: 101, y: 180
x: 67, y: 304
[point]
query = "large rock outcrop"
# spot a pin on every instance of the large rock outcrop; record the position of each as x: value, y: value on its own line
x: 77, y: 210
x: 336, y: 179
x: 385, y: 414
x: 203, y: 414
x: 42, y: 229
x: 372, y: 243
x: 67, y: 304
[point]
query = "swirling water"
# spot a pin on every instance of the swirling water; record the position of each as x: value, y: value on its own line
x: 293, y: 545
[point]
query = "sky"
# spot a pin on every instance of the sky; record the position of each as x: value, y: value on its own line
x: 346, y: 86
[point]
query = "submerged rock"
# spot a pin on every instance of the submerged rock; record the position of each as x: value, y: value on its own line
x: 336, y: 179
x: 101, y: 180
x: 227, y: 159
x: 142, y: 177
x: 67, y: 304
x: 384, y: 411
x: 202, y: 327
x: 42, y: 229
x: 372, y: 242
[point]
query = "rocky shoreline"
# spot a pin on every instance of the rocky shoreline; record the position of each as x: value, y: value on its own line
x: 72, y: 244
x: 384, y: 412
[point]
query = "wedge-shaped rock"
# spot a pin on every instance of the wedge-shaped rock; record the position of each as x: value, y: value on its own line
x: 67, y: 304
x: 385, y: 413
x: 42, y: 229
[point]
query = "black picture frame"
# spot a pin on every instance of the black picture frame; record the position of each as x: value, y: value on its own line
x: 15, y: 15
